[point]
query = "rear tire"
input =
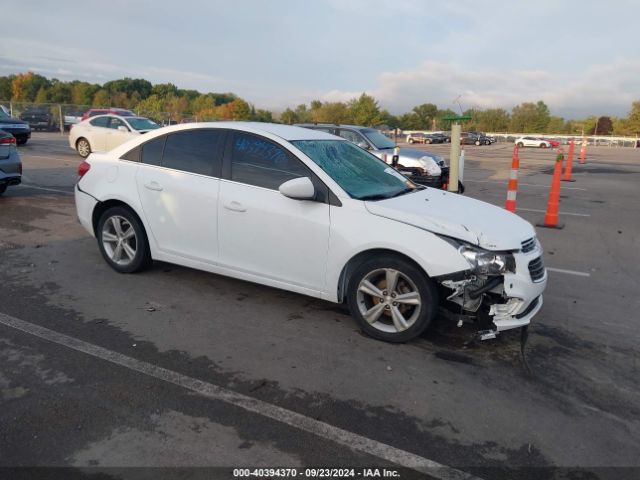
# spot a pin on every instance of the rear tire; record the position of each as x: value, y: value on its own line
x: 122, y: 240
x: 520, y: 144
x: 543, y: 145
x: 411, y: 140
x: 477, y: 142
x: 396, y: 314
x: 83, y: 147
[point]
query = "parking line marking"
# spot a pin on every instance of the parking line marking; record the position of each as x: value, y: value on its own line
x: 296, y: 420
x: 47, y: 189
x: 525, y: 184
x: 560, y: 213
x: 569, y: 272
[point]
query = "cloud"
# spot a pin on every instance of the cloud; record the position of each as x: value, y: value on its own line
x: 608, y: 88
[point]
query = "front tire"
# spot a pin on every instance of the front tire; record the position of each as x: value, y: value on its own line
x: 543, y: 145
x: 411, y: 140
x: 391, y: 298
x: 123, y: 241
x: 477, y: 143
x: 520, y: 144
x: 83, y: 147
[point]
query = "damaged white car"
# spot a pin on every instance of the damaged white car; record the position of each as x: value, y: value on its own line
x: 302, y: 210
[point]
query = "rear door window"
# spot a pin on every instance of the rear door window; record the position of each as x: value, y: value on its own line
x: 152, y: 151
x: 100, y: 122
x: 195, y: 151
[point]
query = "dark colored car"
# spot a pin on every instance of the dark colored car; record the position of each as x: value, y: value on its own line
x: 10, y: 164
x: 473, y: 138
x: 16, y: 127
x: 103, y: 111
x: 38, y: 118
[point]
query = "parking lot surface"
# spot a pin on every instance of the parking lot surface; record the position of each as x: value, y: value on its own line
x: 179, y: 368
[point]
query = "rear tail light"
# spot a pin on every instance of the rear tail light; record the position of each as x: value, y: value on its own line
x: 83, y: 168
x: 7, y: 141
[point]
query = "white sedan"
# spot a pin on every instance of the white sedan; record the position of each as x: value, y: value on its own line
x: 310, y: 212
x: 532, y: 142
x: 106, y: 132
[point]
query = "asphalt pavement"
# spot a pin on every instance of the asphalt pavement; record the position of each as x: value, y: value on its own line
x: 175, y: 367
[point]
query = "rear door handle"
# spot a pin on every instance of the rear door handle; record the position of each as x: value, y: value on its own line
x: 153, y: 186
x: 235, y: 206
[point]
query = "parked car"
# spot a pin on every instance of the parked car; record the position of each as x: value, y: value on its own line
x: 532, y: 142
x: 416, y: 138
x: 71, y: 118
x: 105, y: 132
x: 302, y: 210
x: 442, y: 136
x: 10, y: 164
x: 39, y: 118
x: 16, y: 127
x: 92, y: 112
x: 555, y: 143
x: 422, y: 167
x: 474, y: 139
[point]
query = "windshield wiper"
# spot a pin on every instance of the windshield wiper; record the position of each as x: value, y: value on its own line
x: 402, y: 192
x: 380, y: 196
x: 375, y: 196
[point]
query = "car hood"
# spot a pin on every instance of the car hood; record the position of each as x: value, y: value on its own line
x: 456, y: 216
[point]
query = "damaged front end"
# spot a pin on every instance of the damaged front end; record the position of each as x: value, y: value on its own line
x: 499, y: 292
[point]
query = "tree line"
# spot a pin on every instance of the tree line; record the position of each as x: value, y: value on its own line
x: 167, y: 100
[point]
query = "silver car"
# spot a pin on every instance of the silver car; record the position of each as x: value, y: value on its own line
x: 422, y: 167
x: 10, y: 164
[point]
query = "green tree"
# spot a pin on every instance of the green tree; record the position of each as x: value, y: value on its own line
x: 529, y: 118
x: 152, y: 106
x: 42, y: 96
x: 263, y: 116
x: 163, y: 90
x: 556, y: 125
x: 101, y: 99
x: 364, y: 110
x: 633, y: 119
x: 425, y: 115
x: 5, y: 87
x: 492, y: 120
x: 289, y: 117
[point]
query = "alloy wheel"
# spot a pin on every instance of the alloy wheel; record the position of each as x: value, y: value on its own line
x: 389, y: 300
x: 119, y: 240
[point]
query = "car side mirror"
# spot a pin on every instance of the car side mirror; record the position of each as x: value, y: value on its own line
x: 122, y: 128
x: 363, y: 145
x: 298, y: 189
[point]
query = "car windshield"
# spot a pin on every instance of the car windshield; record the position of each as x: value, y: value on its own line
x: 140, y: 123
x: 3, y: 115
x: 359, y: 173
x: 378, y: 139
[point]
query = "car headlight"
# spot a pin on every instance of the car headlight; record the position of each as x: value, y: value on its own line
x: 485, y: 262
x: 430, y: 166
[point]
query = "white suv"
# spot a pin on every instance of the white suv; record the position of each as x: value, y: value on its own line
x: 532, y: 142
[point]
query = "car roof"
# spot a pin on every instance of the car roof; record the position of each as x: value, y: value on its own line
x: 334, y: 125
x: 286, y: 132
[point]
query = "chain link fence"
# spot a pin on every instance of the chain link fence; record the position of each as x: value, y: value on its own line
x: 59, y: 117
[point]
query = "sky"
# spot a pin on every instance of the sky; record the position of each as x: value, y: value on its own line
x: 579, y: 57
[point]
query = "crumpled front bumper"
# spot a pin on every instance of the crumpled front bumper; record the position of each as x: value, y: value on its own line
x: 523, y: 291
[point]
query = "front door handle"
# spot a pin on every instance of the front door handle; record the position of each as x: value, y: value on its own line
x: 235, y: 206
x: 153, y: 186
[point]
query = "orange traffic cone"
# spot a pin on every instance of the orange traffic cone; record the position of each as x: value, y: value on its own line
x: 551, y: 217
x: 583, y: 150
x: 569, y: 165
x: 512, y: 190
